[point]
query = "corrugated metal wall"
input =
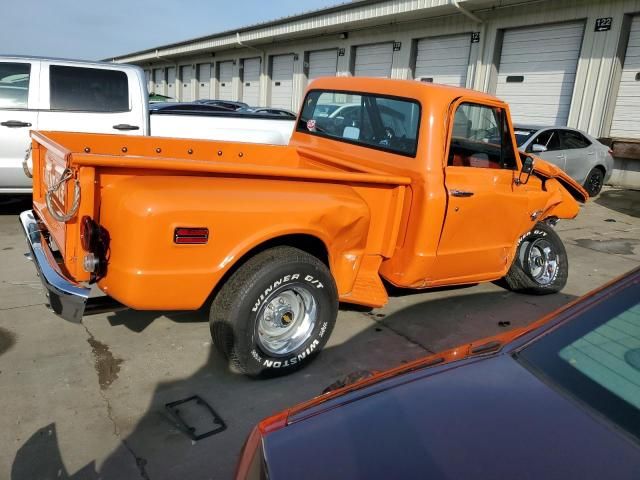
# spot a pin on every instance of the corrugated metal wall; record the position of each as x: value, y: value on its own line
x: 592, y: 89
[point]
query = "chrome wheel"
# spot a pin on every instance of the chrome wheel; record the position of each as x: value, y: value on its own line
x: 542, y: 261
x: 286, y: 320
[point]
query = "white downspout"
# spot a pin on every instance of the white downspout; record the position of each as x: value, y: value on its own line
x: 466, y: 12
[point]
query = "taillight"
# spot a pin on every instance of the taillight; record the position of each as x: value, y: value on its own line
x: 191, y: 236
x: 88, y: 234
x: 611, y: 152
x: 95, y: 242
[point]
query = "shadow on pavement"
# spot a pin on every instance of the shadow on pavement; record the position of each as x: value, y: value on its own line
x: 14, y: 204
x: 623, y: 201
x: 162, y: 450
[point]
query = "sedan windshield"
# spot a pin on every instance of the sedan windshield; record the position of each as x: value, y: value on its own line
x: 595, y: 358
x: 523, y: 134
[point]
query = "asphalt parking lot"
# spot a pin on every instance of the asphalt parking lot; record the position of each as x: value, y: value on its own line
x: 88, y: 401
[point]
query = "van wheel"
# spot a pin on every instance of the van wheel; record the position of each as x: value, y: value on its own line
x: 593, y: 183
x: 540, y: 266
x: 275, y: 313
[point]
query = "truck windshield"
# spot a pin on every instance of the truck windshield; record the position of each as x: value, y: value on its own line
x: 373, y: 121
x: 595, y: 358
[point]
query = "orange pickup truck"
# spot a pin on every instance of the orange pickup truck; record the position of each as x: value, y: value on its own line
x: 420, y: 185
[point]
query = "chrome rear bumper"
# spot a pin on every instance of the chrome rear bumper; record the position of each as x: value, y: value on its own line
x: 67, y: 298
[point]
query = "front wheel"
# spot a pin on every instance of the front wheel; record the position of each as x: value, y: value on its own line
x: 540, y: 265
x: 595, y: 180
x: 275, y: 313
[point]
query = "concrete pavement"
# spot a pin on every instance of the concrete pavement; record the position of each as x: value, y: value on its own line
x: 88, y: 401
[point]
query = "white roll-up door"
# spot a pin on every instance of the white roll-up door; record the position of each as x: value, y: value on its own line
x: 443, y: 59
x: 225, y: 80
x: 626, y: 116
x: 282, y: 81
x: 171, y: 82
x: 538, y: 71
x: 374, y: 60
x: 204, y: 81
x: 251, y: 81
x: 186, y: 90
x: 323, y: 63
x: 158, y: 77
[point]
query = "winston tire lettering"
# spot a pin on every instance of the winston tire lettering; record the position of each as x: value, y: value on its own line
x: 292, y: 360
x: 286, y: 279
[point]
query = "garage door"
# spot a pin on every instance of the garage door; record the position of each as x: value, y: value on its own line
x: 323, y: 63
x: 374, y: 60
x: 171, y: 82
x: 282, y: 81
x: 158, y: 75
x: 225, y: 77
x: 204, y: 81
x: 186, y: 75
x: 626, y: 116
x: 251, y: 81
x: 538, y: 70
x: 443, y: 59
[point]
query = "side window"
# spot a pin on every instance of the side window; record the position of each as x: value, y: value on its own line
x: 481, y: 138
x: 88, y: 89
x: 14, y: 85
x: 549, y: 139
x: 373, y: 121
x: 571, y: 140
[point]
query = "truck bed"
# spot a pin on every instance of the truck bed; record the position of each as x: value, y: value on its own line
x: 139, y: 188
x: 230, y: 126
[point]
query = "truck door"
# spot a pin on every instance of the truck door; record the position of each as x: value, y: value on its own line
x: 486, y: 210
x: 18, y: 115
x: 92, y: 99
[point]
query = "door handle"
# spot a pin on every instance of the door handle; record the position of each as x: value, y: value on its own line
x: 126, y: 126
x: 559, y: 156
x: 461, y: 193
x: 15, y: 124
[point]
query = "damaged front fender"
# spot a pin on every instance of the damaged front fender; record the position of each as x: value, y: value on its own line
x: 547, y: 171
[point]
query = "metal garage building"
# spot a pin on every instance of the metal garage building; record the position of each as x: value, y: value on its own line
x: 557, y: 62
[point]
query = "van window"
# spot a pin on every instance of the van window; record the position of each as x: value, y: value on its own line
x: 14, y: 85
x: 88, y: 89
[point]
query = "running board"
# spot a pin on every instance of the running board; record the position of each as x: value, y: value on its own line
x: 368, y: 288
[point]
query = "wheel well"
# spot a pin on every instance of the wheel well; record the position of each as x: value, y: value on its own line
x: 601, y: 168
x: 308, y: 243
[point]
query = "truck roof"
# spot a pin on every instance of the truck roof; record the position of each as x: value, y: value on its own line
x: 401, y: 88
x: 27, y: 58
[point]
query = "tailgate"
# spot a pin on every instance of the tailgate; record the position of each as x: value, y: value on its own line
x: 62, y: 195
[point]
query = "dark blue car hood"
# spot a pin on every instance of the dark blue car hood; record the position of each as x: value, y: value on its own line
x: 491, y: 419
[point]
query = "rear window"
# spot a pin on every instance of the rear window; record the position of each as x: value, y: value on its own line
x: 14, y: 85
x: 88, y: 89
x: 374, y: 121
x: 595, y: 358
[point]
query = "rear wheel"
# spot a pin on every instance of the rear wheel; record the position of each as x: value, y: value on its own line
x: 540, y: 266
x: 275, y: 313
x: 594, y: 181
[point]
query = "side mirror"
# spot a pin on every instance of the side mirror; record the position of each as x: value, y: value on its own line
x: 537, y: 148
x: 525, y: 173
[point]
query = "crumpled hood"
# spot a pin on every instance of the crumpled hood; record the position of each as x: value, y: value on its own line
x: 544, y: 169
